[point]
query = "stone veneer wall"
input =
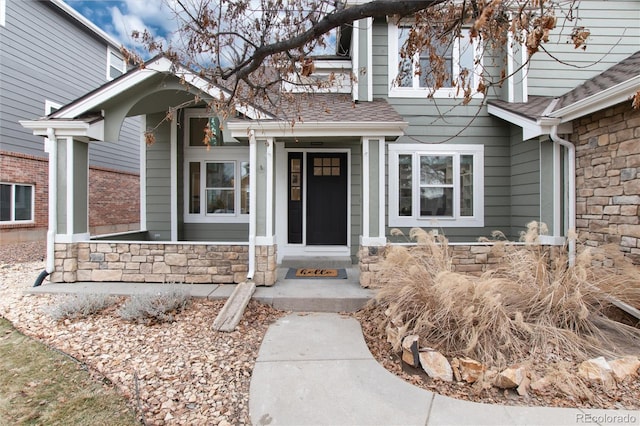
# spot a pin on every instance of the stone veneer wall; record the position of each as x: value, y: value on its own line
x: 163, y: 263
x: 608, y: 178
x: 473, y: 259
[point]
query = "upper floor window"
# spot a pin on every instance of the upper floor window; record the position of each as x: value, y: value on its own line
x: 436, y: 185
x: 16, y: 203
x: 116, y: 65
x: 458, y: 57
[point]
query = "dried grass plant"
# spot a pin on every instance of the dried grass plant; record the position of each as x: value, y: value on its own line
x: 529, y: 303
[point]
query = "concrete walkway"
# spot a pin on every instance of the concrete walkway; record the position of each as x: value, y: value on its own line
x: 317, y: 295
x: 315, y: 369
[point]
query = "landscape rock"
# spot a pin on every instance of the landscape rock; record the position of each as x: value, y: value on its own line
x: 410, y: 353
x: 597, y: 370
x: 623, y: 368
x: 467, y: 369
x: 511, y: 377
x: 436, y: 365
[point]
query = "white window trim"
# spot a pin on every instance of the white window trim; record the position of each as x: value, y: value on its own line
x: 3, y: 13
x: 13, y: 221
x: 214, y: 154
x: 423, y: 92
x: 477, y: 220
x: 109, y: 65
x: 50, y: 106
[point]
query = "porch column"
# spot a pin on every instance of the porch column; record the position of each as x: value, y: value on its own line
x: 373, y: 192
x: 72, y: 198
x: 265, y: 256
x: 373, y: 238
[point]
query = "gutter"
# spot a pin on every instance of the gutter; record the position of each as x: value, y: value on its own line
x: 253, y: 196
x: 571, y: 151
x: 51, y: 146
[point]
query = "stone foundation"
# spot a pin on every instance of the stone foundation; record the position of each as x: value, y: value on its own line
x: 473, y: 259
x: 161, y: 263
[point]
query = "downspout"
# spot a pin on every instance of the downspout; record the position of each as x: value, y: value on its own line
x: 52, y: 149
x: 253, y: 196
x: 571, y: 151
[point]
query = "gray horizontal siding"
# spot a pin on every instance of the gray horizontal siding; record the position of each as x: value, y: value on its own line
x: 525, y: 182
x: 446, y: 121
x: 46, y: 56
x: 615, y: 34
x: 215, y: 232
x: 158, y: 185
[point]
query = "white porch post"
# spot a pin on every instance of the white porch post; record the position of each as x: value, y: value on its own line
x: 72, y: 184
x: 373, y: 192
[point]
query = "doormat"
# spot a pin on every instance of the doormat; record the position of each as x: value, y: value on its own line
x: 323, y: 273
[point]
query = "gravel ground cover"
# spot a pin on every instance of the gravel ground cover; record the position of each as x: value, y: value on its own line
x: 173, y: 373
x: 185, y: 373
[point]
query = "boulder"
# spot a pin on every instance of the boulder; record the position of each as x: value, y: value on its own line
x: 467, y: 369
x: 596, y: 370
x: 410, y: 353
x: 436, y: 365
x: 625, y: 367
x: 511, y: 377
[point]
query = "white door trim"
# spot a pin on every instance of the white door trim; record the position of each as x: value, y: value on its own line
x: 282, y: 211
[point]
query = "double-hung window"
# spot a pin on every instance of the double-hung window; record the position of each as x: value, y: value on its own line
x: 16, y: 203
x: 216, y: 176
x: 436, y: 185
x: 458, y: 57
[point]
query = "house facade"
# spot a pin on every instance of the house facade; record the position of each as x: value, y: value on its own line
x: 363, y: 159
x: 49, y: 56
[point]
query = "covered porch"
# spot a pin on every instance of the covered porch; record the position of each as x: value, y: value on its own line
x: 232, y: 210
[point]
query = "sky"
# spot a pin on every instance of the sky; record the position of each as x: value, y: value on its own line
x: 119, y: 18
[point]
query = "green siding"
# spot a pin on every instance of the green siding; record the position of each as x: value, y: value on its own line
x: 525, y: 182
x: 158, y: 185
x: 61, y: 182
x: 615, y: 31
x: 436, y: 121
x: 215, y: 232
x: 80, y: 187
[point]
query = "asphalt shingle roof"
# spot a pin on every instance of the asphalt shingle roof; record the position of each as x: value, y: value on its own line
x: 537, y: 105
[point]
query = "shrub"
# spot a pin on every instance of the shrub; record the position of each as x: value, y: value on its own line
x: 79, y: 306
x: 528, y: 303
x: 152, y: 308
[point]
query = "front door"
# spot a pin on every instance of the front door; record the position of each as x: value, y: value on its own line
x: 323, y: 220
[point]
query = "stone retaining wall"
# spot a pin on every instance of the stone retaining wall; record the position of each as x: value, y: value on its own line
x: 161, y: 263
x: 473, y: 259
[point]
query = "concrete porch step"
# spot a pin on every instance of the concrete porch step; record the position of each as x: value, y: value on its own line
x: 320, y: 262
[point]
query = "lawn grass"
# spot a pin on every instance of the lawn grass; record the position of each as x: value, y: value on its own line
x: 39, y: 385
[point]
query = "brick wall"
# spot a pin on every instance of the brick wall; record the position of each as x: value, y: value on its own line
x: 608, y: 178
x: 114, y: 198
x: 26, y: 169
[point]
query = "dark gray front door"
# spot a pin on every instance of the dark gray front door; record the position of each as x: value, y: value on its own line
x: 326, y: 198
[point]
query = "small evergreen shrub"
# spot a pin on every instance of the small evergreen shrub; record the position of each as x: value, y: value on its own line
x: 80, y: 306
x: 158, y: 307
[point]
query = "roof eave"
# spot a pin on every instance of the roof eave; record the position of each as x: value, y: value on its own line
x: 599, y: 101
x: 392, y: 129
x: 91, y: 129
